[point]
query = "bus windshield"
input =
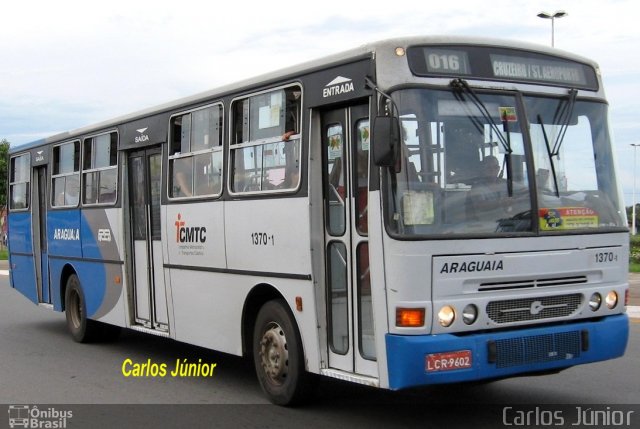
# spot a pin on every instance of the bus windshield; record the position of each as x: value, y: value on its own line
x: 467, y: 166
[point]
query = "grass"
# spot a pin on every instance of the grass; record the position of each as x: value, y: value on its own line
x: 4, y: 254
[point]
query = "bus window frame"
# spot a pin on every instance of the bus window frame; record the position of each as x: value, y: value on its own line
x: 84, y: 171
x: 294, y: 138
x: 57, y: 176
x: 192, y: 154
x: 12, y: 183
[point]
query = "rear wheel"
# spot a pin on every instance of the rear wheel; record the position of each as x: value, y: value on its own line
x: 278, y: 355
x: 82, y: 329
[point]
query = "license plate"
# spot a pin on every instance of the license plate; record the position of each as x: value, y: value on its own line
x: 448, y: 361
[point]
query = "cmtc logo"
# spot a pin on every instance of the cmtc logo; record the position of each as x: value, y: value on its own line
x: 193, y: 234
x: 339, y: 85
x: 142, y: 137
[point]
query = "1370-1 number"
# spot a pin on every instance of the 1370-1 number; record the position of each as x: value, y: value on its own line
x: 602, y: 257
x: 262, y: 239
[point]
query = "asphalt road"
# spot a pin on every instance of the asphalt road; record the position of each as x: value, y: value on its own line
x: 40, y: 364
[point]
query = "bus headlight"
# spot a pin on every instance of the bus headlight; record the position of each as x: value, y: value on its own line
x: 611, y: 300
x: 446, y: 316
x: 469, y: 314
x: 595, y: 301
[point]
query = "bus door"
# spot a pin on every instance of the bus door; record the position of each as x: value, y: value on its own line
x: 345, y: 141
x: 145, y: 178
x: 39, y: 222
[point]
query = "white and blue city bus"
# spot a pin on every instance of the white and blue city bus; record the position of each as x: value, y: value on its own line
x: 415, y: 211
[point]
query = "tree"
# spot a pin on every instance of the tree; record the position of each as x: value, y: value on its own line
x: 4, y: 171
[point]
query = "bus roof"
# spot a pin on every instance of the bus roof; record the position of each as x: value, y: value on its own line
x: 369, y: 49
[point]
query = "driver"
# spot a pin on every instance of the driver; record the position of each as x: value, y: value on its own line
x: 486, y: 199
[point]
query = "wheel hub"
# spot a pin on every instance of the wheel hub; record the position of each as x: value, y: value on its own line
x: 274, y: 354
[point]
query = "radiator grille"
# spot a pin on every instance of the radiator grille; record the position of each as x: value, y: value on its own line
x: 532, y: 283
x: 537, y: 349
x: 524, y: 309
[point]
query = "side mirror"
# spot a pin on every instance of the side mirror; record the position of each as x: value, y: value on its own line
x: 386, y: 140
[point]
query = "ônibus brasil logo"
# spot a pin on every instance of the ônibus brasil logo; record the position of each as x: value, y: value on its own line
x: 27, y: 416
x: 189, y: 234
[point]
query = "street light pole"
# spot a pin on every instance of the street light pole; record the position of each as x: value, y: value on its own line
x: 547, y: 15
x: 633, y: 198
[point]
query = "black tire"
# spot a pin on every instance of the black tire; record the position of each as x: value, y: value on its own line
x: 278, y: 355
x: 82, y: 329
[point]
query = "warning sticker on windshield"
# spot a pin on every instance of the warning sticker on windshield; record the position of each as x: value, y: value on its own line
x: 567, y: 218
x: 508, y: 114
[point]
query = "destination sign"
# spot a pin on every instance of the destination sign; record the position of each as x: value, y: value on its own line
x: 524, y: 68
x: 504, y: 64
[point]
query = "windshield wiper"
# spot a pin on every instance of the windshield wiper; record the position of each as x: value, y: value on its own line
x: 550, y: 153
x: 563, y: 117
x: 460, y: 87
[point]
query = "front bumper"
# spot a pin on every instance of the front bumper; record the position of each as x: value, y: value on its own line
x: 504, y: 353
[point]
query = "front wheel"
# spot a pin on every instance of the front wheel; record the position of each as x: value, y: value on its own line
x: 278, y: 355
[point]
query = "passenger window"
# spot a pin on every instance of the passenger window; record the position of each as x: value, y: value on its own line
x: 195, y: 156
x: 100, y: 169
x: 19, y: 182
x: 265, y: 153
x: 66, y: 175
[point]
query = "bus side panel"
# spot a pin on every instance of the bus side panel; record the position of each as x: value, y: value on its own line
x: 270, y: 236
x: 99, y: 284
x: 23, y: 276
x: 63, y: 233
x: 208, y: 310
x: 195, y: 235
x: 100, y: 235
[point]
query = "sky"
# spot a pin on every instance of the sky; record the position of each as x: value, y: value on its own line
x: 65, y: 64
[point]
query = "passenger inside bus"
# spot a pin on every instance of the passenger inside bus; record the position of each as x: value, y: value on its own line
x: 292, y: 168
x: 182, y: 175
x: 487, y: 190
x: 207, y: 177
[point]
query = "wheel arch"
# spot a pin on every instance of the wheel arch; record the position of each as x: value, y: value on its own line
x: 257, y: 297
x: 66, y: 272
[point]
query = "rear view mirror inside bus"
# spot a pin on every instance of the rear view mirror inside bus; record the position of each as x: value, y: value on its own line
x: 386, y: 140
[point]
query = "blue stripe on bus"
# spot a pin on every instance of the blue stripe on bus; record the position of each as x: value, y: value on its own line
x: 407, y: 355
x: 63, y: 233
x: 68, y: 236
x: 22, y: 274
x: 92, y: 279
x: 20, y: 232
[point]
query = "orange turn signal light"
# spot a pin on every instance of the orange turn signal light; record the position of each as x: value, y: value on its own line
x: 410, y: 317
